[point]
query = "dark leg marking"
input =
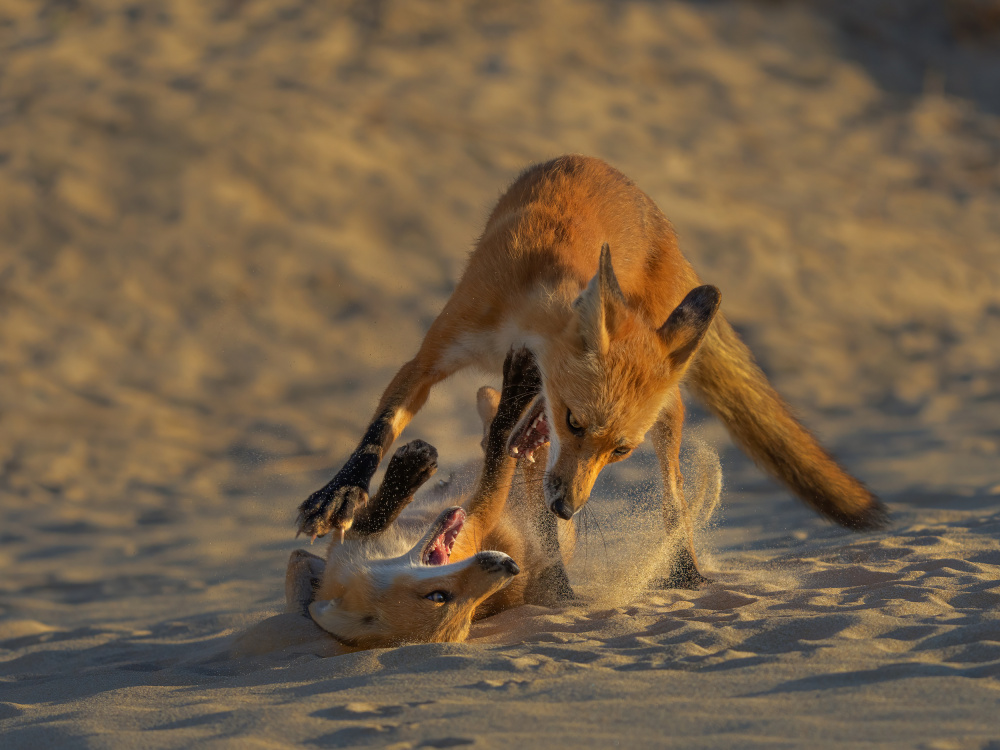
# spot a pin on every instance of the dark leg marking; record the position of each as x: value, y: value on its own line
x: 684, y: 574
x: 522, y: 382
x: 551, y: 588
x: 334, y: 506
x: 410, y: 466
x: 554, y: 580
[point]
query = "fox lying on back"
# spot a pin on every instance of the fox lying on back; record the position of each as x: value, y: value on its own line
x: 400, y: 577
x: 613, y: 343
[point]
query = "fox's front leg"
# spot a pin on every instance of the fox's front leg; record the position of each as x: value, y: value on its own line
x: 333, y: 507
x: 666, y: 434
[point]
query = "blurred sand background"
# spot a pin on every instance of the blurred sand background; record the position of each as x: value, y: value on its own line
x: 224, y: 225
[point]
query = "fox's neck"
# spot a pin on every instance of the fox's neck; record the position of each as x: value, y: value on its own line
x: 543, y: 317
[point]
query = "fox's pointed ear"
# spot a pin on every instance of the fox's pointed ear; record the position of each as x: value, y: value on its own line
x: 688, y: 323
x: 598, y: 305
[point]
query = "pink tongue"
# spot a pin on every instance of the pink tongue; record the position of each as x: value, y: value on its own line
x: 439, y: 553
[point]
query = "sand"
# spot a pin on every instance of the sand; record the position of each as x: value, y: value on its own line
x: 224, y: 226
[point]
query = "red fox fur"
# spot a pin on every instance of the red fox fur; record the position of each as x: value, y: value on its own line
x: 409, y: 581
x: 577, y: 264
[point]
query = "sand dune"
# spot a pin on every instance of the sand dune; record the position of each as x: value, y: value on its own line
x: 223, y: 226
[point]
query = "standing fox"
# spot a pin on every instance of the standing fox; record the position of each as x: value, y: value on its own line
x: 613, y: 342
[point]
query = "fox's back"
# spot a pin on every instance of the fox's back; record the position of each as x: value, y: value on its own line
x: 548, y: 229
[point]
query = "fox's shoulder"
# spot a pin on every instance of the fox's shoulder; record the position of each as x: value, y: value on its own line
x: 549, y: 227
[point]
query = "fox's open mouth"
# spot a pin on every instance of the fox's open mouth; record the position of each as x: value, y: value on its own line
x: 530, y: 433
x: 438, y: 550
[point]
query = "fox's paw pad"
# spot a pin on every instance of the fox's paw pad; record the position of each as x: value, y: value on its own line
x: 411, y: 466
x: 330, y: 508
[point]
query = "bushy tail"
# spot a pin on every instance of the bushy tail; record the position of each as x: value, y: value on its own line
x: 726, y: 378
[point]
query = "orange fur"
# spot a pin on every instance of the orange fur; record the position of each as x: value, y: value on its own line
x: 369, y: 595
x: 613, y: 342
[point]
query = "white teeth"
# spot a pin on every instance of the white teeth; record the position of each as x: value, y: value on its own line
x: 514, y: 450
x: 531, y: 457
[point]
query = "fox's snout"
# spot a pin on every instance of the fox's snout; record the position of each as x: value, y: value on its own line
x: 562, y: 509
x: 555, y: 494
x: 497, y: 562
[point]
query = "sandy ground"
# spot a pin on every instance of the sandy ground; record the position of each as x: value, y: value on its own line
x: 224, y: 225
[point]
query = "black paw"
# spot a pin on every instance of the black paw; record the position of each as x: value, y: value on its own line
x: 330, y: 508
x: 521, y: 380
x: 408, y: 469
x: 411, y: 466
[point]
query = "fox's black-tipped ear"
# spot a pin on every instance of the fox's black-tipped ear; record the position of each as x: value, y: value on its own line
x: 598, y: 304
x: 688, y: 323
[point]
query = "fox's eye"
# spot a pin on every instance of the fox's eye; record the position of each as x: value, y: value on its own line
x: 575, y: 427
x: 439, y: 597
x: 623, y: 451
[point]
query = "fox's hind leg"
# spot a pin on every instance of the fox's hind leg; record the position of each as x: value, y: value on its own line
x: 677, y: 520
